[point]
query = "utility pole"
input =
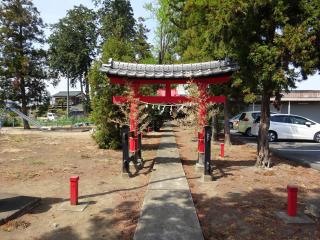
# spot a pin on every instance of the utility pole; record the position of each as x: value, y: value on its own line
x: 68, y: 97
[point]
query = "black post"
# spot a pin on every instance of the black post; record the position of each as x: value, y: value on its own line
x: 125, y: 148
x: 139, y: 146
x: 207, y: 150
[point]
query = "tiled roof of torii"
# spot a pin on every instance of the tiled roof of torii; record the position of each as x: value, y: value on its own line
x: 192, y: 70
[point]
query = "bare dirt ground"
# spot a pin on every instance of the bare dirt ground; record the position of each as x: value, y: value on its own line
x: 242, y: 201
x: 40, y: 163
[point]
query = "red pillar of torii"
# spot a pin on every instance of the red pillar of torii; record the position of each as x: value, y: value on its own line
x: 135, y: 75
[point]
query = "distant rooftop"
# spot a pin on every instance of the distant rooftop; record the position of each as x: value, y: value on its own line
x: 151, y: 71
x: 65, y: 94
x: 302, y: 95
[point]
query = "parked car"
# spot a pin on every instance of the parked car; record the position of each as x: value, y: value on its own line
x: 234, y: 121
x: 246, y: 120
x: 288, y: 126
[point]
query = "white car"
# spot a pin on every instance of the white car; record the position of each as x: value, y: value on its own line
x: 287, y: 126
x: 51, y: 116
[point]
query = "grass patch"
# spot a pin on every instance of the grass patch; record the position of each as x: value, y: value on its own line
x: 36, y: 162
x: 17, y: 138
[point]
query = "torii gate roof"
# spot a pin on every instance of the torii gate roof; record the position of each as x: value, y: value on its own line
x: 168, y: 71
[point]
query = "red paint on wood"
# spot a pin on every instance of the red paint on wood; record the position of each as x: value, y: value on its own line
x: 168, y: 90
x: 160, y: 99
x: 202, y: 87
x: 292, y: 200
x: 221, y: 149
x: 200, y: 142
x: 74, y: 190
x: 209, y: 80
x: 132, y: 144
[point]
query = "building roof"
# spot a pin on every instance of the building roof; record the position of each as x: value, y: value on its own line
x: 151, y: 71
x: 301, y: 95
x: 65, y: 94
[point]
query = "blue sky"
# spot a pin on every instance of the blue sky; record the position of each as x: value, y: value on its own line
x: 52, y: 10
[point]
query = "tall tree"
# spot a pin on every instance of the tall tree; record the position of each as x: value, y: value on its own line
x: 116, y: 19
x: 268, y: 40
x: 276, y: 43
x: 73, y: 47
x: 22, y: 63
x: 122, y: 39
x: 193, y: 21
x: 141, y: 47
x: 166, y: 31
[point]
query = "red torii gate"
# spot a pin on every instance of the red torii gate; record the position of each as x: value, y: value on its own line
x: 135, y: 75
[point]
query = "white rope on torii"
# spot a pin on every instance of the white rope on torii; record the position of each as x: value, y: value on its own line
x: 163, y: 106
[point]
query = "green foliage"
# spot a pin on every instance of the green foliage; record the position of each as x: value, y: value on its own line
x: 123, y: 41
x: 141, y: 46
x: 118, y: 49
x: 116, y: 19
x: 11, y: 121
x: 107, y: 133
x: 63, y: 121
x: 23, y: 66
x: 166, y: 31
x: 73, y: 46
x: 275, y: 43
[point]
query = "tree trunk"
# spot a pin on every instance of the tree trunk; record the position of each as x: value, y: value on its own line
x: 68, y: 93
x: 83, y: 100
x: 81, y: 84
x: 22, y: 82
x: 263, y: 152
x: 87, y: 100
x: 215, y: 126
x: 227, y: 140
x: 24, y: 102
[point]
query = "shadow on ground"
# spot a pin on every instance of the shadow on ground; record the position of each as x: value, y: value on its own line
x: 237, y: 216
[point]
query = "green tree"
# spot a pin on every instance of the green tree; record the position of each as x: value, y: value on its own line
x: 73, y: 47
x: 192, y: 20
x: 141, y: 46
x: 22, y: 63
x: 107, y: 132
x: 123, y: 39
x: 276, y: 44
x: 166, y: 31
x: 268, y: 40
x: 116, y: 19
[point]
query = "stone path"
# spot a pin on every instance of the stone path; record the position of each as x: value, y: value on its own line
x: 168, y: 211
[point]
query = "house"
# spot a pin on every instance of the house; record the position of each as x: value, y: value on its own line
x: 305, y: 103
x: 59, y: 100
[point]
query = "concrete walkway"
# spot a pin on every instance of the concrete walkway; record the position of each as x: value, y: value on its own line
x: 168, y: 211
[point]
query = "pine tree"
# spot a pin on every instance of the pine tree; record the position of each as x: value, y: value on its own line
x: 276, y: 44
x: 23, y: 65
x: 166, y: 31
x: 116, y: 19
x: 73, y: 47
x: 141, y: 46
x: 122, y: 39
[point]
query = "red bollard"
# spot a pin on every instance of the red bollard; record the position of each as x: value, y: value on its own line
x: 74, y: 190
x: 292, y: 200
x: 200, y: 142
x: 221, y: 149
